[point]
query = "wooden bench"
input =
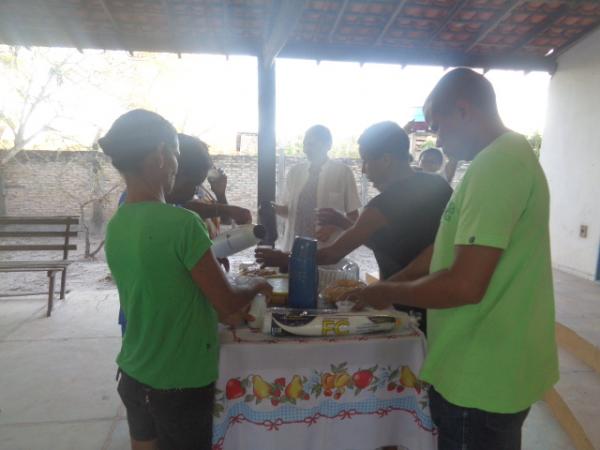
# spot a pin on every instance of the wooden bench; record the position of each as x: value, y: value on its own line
x: 15, y: 229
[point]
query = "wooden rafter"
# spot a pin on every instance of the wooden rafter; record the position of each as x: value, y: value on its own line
x: 338, y: 19
x: 492, y: 25
x: 458, y: 6
x: 283, y: 24
x: 390, y: 21
x: 541, y: 27
x: 62, y: 24
x: 115, y: 25
x: 576, y: 39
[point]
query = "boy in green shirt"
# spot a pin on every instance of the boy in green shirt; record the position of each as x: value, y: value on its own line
x: 171, y: 289
x: 487, y: 280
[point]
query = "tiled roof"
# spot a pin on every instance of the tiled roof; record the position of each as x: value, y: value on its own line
x: 483, y: 33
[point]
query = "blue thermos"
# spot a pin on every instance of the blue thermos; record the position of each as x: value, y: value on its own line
x: 303, y: 273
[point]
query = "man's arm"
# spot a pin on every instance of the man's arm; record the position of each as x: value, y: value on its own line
x: 367, y: 224
x: 229, y: 302
x: 358, y: 234
x: 209, y: 210
x: 335, y: 218
x: 417, y: 268
x: 204, y: 210
x: 353, y: 215
x: 218, y: 185
x: 464, y: 283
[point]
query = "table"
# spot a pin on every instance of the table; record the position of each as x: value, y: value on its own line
x: 342, y: 393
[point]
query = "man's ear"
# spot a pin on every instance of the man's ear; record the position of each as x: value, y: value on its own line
x: 157, y: 157
x: 464, y: 108
x: 160, y: 151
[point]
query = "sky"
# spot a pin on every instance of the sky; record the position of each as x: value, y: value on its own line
x: 348, y: 98
x: 215, y: 97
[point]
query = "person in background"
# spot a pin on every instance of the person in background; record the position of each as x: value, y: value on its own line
x: 431, y: 160
x: 399, y: 223
x: 195, y: 164
x: 171, y: 289
x: 487, y: 283
x: 317, y: 183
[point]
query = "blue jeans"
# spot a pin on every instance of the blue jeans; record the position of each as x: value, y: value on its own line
x: 473, y: 429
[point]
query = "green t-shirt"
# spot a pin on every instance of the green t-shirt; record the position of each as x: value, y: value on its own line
x: 171, y: 340
x: 499, y: 355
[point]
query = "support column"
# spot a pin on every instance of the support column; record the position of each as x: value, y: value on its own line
x: 266, y: 149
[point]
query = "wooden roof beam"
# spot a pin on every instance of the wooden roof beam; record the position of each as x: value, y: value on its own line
x: 171, y: 21
x: 338, y: 19
x: 116, y: 27
x: 61, y: 23
x: 282, y: 26
x: 542, y: 26
x: 390, y: 21
x: 587, y: 31
x: 225, y: 28
x: 492, y: 25
x: 458, y: 6
x: 417, y: 56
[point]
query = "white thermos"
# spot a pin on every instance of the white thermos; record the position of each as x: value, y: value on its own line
x: 237, y: 239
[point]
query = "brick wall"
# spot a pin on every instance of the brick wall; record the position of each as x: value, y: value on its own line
x: 57, y: 183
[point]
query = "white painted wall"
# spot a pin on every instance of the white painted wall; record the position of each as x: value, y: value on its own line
x: 570, y: 156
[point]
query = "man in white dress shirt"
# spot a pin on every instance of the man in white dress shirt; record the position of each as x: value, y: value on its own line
x: 317, y: 183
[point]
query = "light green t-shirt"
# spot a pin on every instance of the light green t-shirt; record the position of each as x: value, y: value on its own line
x: 171, y: 339
x: 499, y: 355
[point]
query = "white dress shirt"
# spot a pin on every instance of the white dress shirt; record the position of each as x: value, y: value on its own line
x: 336, y: 189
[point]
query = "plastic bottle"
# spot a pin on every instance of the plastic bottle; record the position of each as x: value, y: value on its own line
x: 258, y: 308
x: 303, y: 274
x: 237, y: 239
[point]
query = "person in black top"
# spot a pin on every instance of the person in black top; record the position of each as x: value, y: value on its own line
x: 398, y: 224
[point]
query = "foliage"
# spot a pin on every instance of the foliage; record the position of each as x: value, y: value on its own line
x: 42, y: 90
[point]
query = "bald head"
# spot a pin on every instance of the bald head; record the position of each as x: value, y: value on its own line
x: 461, y: 109
x: 463, y: 84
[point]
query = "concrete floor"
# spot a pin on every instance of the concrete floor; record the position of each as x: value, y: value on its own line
x: 578, y: 305
x: 57, y: 376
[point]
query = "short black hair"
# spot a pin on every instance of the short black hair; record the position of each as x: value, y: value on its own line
x: 194, y: 157
x: 463, y: 84
x: 322, y: 132
x: 433, y: 152
x: 135, y: 135
x: 384, y: 137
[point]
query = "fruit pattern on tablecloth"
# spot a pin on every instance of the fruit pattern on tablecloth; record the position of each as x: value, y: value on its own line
x: 336, y: 383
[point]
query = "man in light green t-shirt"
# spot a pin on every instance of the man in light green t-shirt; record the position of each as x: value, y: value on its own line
x: 487, y: 280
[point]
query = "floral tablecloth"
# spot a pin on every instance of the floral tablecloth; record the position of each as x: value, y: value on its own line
x: 343, y: 393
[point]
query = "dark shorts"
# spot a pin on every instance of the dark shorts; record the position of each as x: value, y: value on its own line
x: 181, y: 419
x: 473, y: 429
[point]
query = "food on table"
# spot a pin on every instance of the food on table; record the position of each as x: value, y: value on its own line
x: 336, y: 290
x: 258, y: 272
